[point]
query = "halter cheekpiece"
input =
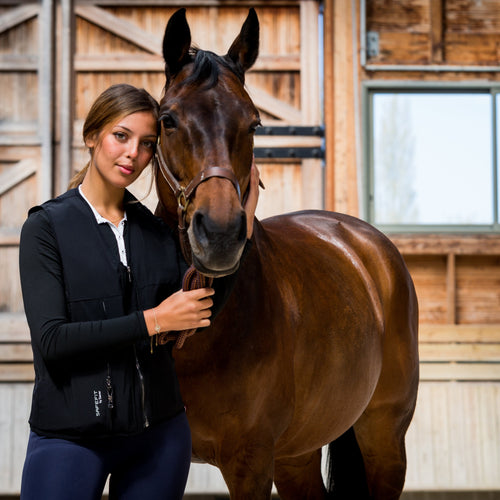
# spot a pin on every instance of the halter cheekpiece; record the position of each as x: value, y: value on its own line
x: 184, y: 194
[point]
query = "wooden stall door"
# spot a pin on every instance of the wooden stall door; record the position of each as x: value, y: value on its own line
x: 55, y: 58
x: 26, y: 111
x: 123, y: 43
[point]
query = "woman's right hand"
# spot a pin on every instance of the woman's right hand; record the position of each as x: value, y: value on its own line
x: 181, y: 311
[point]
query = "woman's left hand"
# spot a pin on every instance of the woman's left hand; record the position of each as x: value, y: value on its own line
x: 252, y: 198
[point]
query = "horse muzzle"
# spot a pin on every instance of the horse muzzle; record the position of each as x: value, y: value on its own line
x: 217, y: 246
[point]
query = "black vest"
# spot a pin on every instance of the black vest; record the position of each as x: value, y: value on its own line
x: 70, y: 398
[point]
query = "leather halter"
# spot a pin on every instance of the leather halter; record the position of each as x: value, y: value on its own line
x: 184, y: 194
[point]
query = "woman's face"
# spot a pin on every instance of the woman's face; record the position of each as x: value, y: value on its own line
x: 122, y: 151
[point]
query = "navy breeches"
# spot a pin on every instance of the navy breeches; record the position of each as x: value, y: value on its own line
x: 152, y: 465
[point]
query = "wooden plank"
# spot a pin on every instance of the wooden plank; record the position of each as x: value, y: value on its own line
x: 459, y: 352
x: 14, y: 328
x: 276, y: 141
x: 15, y: 174
x: 309, y: 62
x: 459, y: 333
x: 154, y: 62
x: 9, y: 238
x: 15, y: 352
x: 460, y: 371
x: 341, y: 132
x: 196, y: 3
x: 46, y: 98
x: 67, y: 96
x: 443, y: 244
x: 451, y: 290
x: 18, y: 62
x: 437, y: 31
x: 120, y: 27
x: 329, y: 109
x: 275, y: 107
x: 17, y: 372
x: 18, y: 15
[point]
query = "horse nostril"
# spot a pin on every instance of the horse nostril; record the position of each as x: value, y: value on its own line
x: 209, y: 232
x: 199, y: 228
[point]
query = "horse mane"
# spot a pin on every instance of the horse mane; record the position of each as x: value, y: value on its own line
x: 207, y: 68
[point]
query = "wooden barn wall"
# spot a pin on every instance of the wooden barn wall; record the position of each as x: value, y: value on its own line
x: 49, y: 77
x: 454, y: 440
x: 55, y: 58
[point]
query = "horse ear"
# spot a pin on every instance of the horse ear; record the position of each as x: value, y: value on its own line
x: 176, y: 43
x: 245, y: 48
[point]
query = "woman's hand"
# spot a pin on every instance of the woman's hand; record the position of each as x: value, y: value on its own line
x: 181, y: 311
x: 252, y: 198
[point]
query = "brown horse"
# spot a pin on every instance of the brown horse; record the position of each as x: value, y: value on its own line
x: 318, y: 341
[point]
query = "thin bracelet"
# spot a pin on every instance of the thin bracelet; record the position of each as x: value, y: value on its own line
x: 154, y: 338
x: 157, y: 326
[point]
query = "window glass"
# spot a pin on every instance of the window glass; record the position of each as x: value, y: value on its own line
x: 432, y: 159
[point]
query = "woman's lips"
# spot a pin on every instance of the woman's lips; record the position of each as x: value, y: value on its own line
x: 124, y: 169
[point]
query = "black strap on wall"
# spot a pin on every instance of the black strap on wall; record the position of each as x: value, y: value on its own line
x: 290, y: 152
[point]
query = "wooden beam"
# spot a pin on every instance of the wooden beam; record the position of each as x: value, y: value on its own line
x: 329, y: 103
x: 18, y: 15
x: 16, y: 353
x: 18, y: 62
x: 154, y: 62
x: 459, y: 333
x: 437, y: 21
x: 451, y: 290
x: 309, y: 62
x: 17, y: 372
x: 341, y: 178
x: 46, y: 99
x: 276, y: 141
x: 9, y: 238
x: 67, y: 95
x: 194, y: 3
x: 459, y: 352
x: 443, y: 244
x: 460, y: 371
x: 275, y: 107
x: 15, y: 174
x: 121, y: 28
x: 14, y: 328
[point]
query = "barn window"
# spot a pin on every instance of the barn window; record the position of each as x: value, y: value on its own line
x: 432, y: 159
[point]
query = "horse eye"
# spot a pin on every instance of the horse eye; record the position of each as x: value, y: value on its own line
x: 254, y: 126
x: 168, y: 121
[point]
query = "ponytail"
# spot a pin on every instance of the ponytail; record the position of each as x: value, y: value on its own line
x: 77, y: 179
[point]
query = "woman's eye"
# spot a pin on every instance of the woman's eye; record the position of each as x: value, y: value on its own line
x: 120, y: 136
x: 148, y: 144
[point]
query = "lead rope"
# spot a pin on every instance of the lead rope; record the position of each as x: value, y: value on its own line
x: 192, y: 280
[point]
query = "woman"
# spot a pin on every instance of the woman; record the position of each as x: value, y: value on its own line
x: 100, y: 277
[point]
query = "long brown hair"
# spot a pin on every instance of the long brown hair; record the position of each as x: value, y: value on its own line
x: 114, y: 103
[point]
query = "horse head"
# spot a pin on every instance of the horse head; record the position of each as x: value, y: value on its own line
x: 206, y: 143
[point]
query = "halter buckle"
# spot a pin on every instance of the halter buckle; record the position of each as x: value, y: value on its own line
x: 182, y: 201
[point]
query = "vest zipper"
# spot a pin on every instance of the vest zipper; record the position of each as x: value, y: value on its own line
x: 143, y: 393
x: 109, y: 384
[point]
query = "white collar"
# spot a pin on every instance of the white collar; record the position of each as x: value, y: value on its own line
x: 98, y: 217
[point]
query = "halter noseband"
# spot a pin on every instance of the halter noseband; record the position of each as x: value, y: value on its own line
x: 184, y: 194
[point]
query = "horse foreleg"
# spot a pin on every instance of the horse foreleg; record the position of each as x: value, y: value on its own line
x: 299, y: 478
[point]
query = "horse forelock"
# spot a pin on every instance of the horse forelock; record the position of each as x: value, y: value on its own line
x: 207, y: 68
